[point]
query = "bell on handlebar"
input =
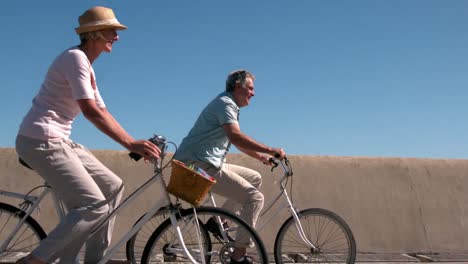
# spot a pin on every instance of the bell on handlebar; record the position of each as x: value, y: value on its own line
x: 159, y: 141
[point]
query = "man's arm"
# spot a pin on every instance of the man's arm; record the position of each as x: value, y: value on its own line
x: 248, y: 145
x: 263, y: 158
x: 105, y: 122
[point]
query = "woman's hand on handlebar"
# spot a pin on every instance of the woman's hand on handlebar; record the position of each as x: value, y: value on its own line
x: 145, y: 148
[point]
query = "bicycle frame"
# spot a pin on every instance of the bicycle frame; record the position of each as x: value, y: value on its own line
x: 165, y: 201
x: 289, y: 204
x: 32, y: 202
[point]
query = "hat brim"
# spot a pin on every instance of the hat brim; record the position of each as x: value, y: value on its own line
x: 81, y: 30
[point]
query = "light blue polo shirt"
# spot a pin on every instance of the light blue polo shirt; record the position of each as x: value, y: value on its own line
x: 207, y: 140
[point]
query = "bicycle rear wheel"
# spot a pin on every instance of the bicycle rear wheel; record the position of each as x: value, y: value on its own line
x: 325, y: 230
x: 163, y: 245
x: 27, y: 237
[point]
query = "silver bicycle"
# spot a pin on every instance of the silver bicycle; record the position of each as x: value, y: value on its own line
x: 20, y: 233
x: 312, y: 235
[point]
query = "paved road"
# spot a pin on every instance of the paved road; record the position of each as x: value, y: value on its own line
x: 372, y: 258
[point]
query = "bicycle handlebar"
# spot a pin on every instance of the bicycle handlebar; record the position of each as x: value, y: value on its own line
x: 134, y: 156
x: 285, y: 164
x: 273, y: 162
x: 159, y: 141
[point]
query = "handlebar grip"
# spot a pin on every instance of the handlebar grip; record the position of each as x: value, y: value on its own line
x: 135, y: 156
x: 277, y: 155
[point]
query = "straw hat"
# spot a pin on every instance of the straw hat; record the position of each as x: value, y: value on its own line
x: 98, y: 18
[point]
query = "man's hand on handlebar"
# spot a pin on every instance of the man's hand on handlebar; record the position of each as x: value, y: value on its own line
x: 265, y: 159
x: 279, y: 153
x: 146, y: 149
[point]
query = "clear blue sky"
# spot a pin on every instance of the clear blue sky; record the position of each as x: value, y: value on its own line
x: 345, y: 78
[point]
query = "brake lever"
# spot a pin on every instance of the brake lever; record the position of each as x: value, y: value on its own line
x: 274, y: 163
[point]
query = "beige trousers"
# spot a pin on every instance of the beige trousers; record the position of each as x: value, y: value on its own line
x: 240, y: 186
x: 88, y: 189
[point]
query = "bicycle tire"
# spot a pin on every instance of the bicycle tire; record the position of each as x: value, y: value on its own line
x: 155, y: 253
x: 26, y: 239
x: 136, y: 244
x: 324, y: 229
x: 217, y: 249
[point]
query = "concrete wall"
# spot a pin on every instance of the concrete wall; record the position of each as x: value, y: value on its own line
x: 393, y: 205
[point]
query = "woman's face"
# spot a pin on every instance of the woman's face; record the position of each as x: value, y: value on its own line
x: 110, y: 36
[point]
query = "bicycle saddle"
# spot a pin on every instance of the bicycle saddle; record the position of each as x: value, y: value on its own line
x: 22, y: 162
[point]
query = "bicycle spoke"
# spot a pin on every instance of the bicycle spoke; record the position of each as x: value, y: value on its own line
x: 334, y: 242
x: 25, y: 239
x: 163, y: 244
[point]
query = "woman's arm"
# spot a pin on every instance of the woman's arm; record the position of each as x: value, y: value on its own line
x: 104, y: 121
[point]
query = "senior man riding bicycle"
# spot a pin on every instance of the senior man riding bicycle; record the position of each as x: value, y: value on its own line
x: 206, y: 147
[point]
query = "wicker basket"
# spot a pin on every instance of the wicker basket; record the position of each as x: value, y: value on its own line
x: 187, y: 184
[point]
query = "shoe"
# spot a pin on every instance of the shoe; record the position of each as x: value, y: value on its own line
x: 246, y: 260
x: 213, y: 227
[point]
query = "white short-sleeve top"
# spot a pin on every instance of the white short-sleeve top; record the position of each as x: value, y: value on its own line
x: 70, y: 78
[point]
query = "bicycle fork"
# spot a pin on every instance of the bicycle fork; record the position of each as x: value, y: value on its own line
x: 185, y: 250
x: 298, y: 224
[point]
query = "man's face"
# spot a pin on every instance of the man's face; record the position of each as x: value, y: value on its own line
x: 242, y: 94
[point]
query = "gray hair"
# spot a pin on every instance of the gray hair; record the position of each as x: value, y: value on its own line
x: 237, y: 76
x: 95, y: 35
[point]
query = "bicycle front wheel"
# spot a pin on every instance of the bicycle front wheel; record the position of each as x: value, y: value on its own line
x: 25, y: 240
x: 163, y: 245
x: 326, y: 230
x: 136, y: 244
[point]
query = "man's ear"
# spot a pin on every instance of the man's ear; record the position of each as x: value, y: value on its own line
x: 237, y: 86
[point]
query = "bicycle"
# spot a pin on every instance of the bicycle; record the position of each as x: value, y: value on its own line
x: 310, y: 235
x: 20, y: 232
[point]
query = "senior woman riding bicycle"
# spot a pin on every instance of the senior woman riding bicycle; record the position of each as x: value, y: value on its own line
x: 87, y: 187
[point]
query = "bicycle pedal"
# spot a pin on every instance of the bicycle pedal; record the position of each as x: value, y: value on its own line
x: 213, y: 227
